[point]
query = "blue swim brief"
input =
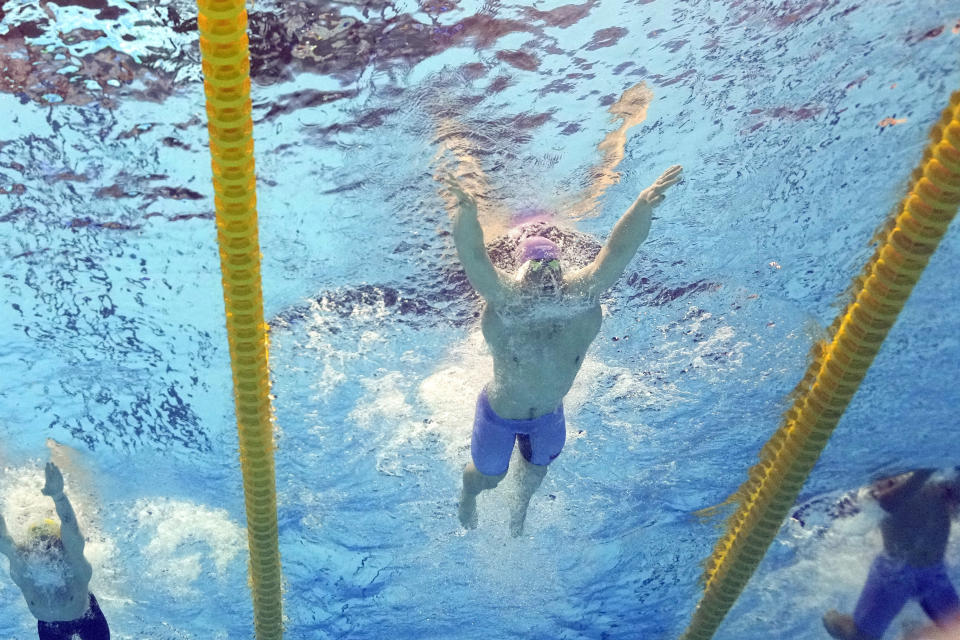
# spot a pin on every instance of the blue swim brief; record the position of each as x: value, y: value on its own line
x: 892, y: 582
x: 540, y: 439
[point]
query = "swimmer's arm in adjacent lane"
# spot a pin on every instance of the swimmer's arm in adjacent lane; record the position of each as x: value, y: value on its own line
x: 625, y: 238
x: 73, y: 542
x: 468, y: 238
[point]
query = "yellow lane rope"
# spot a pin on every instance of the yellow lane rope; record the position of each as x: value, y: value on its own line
x: 226, y: 71
x: 836, y: 371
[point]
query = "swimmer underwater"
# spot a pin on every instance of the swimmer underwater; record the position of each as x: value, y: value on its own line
x: 53, y: 574
x: 915, y: 532
x: 538, y: 324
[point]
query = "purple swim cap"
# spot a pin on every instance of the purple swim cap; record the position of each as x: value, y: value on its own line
x: 537, y: 248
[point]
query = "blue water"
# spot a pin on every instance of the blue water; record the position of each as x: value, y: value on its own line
x: 113, y: 350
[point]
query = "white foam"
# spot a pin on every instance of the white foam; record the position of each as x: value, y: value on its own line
x: 336, y: 362
x: 608, y: 387
x: 389, y: 407
x: 186, y: 541
x: 384, y: 400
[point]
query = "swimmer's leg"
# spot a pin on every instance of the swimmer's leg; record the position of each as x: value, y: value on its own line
x: 889, y: 586
x: 938, y: 598
x: 473, y: 483
x: 537, y: 449
x: 887, y: 589
x: 531, y: 475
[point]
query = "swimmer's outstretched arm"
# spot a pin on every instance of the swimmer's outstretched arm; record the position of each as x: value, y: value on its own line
x: 468, y: 238
x: 69, y: 529
x: 625, y: 238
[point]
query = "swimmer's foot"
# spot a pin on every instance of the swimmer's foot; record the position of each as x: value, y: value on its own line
x: 840, y: 625
x: 468, y: 511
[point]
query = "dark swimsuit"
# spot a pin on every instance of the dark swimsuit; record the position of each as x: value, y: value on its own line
x: 92, y: 626
x: 892, y: 582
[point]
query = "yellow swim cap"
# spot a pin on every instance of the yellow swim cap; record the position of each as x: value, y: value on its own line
x: 46, y: 529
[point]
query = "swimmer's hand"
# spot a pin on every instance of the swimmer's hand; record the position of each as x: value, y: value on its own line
x: 466, y: 202
x: 54, y: 485
x: 654, y: 194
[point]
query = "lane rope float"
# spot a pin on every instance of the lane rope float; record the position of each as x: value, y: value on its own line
x: 226, y: 81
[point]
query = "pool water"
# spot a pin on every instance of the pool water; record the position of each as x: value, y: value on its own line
x: 797, y: 124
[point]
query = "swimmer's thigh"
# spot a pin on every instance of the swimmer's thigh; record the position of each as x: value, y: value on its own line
x: 544, y: 444
x: 882, y: 598
x: 938, y: 597
x: 490, y: 446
